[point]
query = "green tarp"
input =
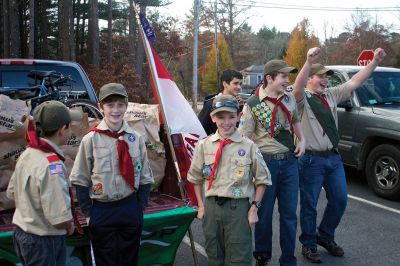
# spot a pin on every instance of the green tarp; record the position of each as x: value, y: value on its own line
x: 162, y: 234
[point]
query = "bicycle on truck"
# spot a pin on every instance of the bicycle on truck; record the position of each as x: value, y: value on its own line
x: 46, y: 88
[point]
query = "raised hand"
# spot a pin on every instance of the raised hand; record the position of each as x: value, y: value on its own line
x: 379, y: 55
x: 313, y: 55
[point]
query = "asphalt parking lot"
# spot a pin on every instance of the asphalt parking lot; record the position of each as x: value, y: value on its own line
x: 369, y: 232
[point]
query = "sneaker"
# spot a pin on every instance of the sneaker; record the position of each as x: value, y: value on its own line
x: 311, y: 254
x: 331, y: 247
x: 261, y: 261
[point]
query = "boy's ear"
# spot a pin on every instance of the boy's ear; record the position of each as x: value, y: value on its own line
x: 212, y: 118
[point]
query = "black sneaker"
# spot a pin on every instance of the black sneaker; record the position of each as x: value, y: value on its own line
x: 261, y: 261
x: 311, y: 254
x: 331, y: 247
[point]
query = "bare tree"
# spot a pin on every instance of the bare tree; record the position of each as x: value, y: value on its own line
x: 15, y: 33
x: 94, y: 39
x: 6, y: 28
x: 132, y: 32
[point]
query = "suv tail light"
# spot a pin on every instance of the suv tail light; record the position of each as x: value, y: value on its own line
x: 17, y: 62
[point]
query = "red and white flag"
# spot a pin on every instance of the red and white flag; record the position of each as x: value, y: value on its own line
x: 184, y: 126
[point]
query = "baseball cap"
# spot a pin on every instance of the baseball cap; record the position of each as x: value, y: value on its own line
x: 226, y: 103
x: 52, y: 115
x: 112, y: 89
x: 319, y: 69
x: 278, y: 65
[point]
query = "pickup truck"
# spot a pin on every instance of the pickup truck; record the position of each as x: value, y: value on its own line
x: 369, y: 128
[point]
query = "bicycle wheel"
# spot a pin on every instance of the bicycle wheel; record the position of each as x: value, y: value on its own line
x: 87, y: 106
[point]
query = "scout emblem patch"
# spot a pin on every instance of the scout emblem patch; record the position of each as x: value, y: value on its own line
x: 55, y: 169
x: 263, y: 114
x: 240, y: 171
x: 131, y: 138
x: 97, y: 189
x: 237, y: 192
x: 207, y: 171
x: 138, y: 167
x: 241, y: 152
x: 286, y: 98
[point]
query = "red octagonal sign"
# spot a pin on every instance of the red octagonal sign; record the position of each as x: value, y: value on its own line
x: 365, y: 57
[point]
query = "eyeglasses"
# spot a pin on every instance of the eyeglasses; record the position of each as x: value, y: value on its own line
x: 226, y: 104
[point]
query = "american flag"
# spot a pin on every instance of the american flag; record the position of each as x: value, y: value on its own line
x: 56, y: 169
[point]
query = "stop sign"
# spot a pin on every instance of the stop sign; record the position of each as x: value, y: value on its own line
x: 365, y: 57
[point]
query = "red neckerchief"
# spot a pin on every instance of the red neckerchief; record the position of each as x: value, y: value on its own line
x: 222, y: 143
x: 125, y: 164
x: 36, y: 143
x: 277, y: 102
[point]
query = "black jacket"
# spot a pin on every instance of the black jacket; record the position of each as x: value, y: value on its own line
x: 204, y: 115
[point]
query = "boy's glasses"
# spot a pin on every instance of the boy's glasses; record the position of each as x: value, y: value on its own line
x: 226, y: 104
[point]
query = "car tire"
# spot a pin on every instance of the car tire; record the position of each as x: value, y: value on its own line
x: 382, y: 171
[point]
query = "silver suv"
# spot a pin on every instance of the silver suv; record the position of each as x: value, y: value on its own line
x: 369, y: 128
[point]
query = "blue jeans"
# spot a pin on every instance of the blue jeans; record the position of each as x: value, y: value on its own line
x: 285, y: 186
x: 35, y: 250
x: 317, y: 172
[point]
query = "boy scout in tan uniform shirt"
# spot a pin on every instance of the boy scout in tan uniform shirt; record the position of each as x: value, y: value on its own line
x: 95, y: 170
x: 40, y: 188
x: 322, y: 166
x: 270, y: 119
x: 229, y: 187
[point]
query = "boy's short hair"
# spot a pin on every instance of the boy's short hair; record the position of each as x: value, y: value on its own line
x: 228, y: 75
x: 226, y: 103
x: 52, y: 115
x: 112, y: 89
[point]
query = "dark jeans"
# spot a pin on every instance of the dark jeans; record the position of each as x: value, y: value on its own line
x: 285, y: 186
x: 317, y: 172
x: 115, y: 229
x: 39, y: 250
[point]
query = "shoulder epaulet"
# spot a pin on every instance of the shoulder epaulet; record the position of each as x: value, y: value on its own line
x: 289, y: 88
x: 210, y: 97
x: 52, y: 158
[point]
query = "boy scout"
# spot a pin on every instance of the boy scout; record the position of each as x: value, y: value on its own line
x: 322, y: 166
x: 270, y: 119
x: 112, y: 168
x: 229, y: 175
x: 39, y: 187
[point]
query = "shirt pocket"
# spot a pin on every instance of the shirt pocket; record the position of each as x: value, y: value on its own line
x: 207, y: 166
x: 240, y: 169
x: 102, y: 161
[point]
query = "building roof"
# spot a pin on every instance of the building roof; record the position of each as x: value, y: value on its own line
x: 254, y: 69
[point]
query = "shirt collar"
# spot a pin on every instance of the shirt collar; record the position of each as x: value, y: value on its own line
x: 54, y: 146
x: 236, y: 137
x: 263, y: 93
x: 125, y: 127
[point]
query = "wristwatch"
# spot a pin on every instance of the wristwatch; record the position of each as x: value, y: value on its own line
x: 256, y: 203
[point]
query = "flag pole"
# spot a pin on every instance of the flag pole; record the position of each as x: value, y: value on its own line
x: 168, y: 131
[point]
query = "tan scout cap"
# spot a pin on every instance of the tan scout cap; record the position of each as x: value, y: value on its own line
x: 226, y: 103
x: 278, y: 65
x: 52, y: 115
x: 319, y: 69
x: 112, y: 89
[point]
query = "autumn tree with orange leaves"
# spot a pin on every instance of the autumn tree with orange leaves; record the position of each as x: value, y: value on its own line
x: 301, y: 39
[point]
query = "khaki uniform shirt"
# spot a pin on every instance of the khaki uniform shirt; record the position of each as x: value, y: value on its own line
x: 241, y: 166
x: 41, y: 192
x: 252, y: 129
x: 96, y: 164
x: 316, y: 140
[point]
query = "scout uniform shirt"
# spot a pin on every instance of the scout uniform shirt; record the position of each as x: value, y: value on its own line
x: 316, y: 139
x: 40, y: 189
x: 253, y: 129
x: 240, y: 162
x: 96, y: 164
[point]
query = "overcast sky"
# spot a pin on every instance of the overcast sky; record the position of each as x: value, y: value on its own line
x: 292, y: 12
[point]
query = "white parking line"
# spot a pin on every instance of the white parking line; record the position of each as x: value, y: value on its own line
x: 374, y: 204
x: 197, y: 246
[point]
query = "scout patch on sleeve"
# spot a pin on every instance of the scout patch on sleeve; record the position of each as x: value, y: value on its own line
x: 56, y: 169
x: 261, y: 159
